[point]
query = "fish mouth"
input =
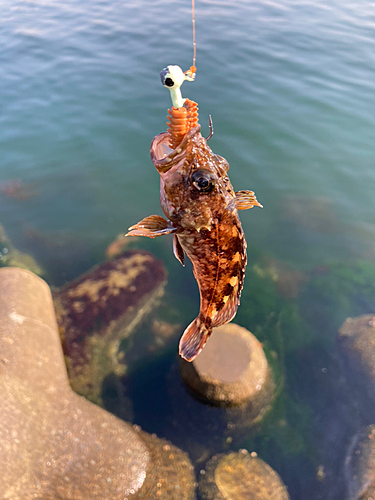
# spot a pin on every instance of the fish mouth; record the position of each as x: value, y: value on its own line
x: 163, y: 156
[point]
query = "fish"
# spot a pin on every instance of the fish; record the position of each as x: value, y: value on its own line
x: 201, y: 210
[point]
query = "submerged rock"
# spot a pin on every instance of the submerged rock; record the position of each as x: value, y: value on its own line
x: 101, y: 308
x: 335, y: 292
x: 288, y: 281
x: 54, y: 443
x: 356, y: 345
x: 360, y: 465
x: 121, y: 243
x: 221, y: 396
x: 240, y: 476
x: 18, y: 190
x: 311, y: 213
x: 11, y: 257
x: 173, y: 477
x: 231, y: 370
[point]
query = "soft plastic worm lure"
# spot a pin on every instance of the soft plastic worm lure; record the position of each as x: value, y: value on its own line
x: 184, y: 113
x: 181, y: 120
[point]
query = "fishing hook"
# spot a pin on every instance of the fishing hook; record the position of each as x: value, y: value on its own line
x: 211, y: 125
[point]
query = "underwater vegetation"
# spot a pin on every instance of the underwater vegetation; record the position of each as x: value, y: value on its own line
x: 10, y: 256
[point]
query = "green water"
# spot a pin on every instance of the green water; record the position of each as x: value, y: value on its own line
x: 290, y: 87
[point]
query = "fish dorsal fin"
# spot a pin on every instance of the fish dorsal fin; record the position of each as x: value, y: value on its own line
x: 194, y: 339
x: 246, y: 200
x: 177, y: 250
x: 151, y: 227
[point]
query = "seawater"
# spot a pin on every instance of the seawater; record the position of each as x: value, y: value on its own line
x: 290, y: 86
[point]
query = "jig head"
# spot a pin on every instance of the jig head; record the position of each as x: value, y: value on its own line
x: 173, y: 77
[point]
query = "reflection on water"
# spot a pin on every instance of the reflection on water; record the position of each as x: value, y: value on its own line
x: 290, y: 86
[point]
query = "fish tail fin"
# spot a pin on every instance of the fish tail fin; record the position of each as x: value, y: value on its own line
x: 194, y: 339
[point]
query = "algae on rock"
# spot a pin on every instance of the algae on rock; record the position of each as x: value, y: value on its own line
x: 11, y: 257
x: 100, y: 309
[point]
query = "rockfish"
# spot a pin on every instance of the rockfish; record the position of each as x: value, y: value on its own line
x: 201, y: 209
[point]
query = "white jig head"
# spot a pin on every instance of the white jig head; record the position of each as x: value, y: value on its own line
x: 173, y: 77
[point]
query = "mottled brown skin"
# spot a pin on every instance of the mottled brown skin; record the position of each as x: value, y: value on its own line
x: 206, y: 227
x: 219, y: 259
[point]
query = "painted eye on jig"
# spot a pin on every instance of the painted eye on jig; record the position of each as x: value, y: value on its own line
x: 173, y: 77
x: 169, y: 82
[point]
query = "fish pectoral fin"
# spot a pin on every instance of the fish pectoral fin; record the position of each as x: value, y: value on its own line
x: 246, y: 200
x: 177, y: 250
x: 151, y: 227
x: 194, y: 339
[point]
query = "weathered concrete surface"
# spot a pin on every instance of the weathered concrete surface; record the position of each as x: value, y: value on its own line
x: 356, y: 346
x: 170, y: 474
x: 222, y: 395
x: 360, y: 465
x: 54, y: 443
x: 231, y: 370
x: 99, y: 309
x: 240, y: 476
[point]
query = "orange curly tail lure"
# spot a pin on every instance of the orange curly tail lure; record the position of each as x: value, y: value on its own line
x: 180, y: 121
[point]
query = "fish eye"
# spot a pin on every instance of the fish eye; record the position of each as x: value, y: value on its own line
x: 203, y: 181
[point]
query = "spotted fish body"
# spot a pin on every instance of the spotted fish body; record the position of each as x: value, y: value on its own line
x: 201, y: 207
x: 219, y: 259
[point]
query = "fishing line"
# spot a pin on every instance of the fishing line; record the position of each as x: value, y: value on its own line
x: 183, y: 116
x: 194, y: 41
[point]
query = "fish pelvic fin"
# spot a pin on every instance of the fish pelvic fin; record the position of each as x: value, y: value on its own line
x: 246, y: 200
x: 177, y: 250
x: 151, y: 227
x: 194, y: 339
